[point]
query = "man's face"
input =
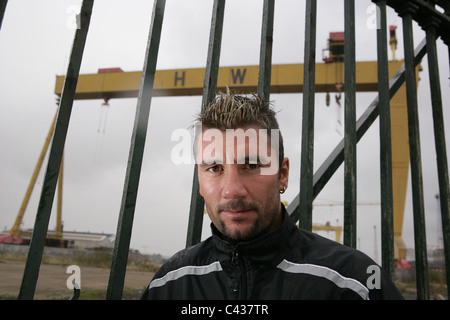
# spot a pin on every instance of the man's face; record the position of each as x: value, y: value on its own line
x: 242, y: 201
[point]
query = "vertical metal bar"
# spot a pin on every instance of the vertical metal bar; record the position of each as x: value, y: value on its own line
x: 209, y: 92
x: 350, y: 127
x: 126, y: 215
x: 387, y: 213
x: 304, y: 213
x: 416, y: 163
x: 446, y: 37
x: 265, y: 58
x: 3, y: 4
x: 58, y: 231
x: 36, y: 249
x: 439, y: 136
x: 194, y: 230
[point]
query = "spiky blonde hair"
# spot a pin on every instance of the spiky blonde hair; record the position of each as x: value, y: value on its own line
x: 233, y: 111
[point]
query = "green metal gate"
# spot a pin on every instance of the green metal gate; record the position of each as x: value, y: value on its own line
x: 432, y: 16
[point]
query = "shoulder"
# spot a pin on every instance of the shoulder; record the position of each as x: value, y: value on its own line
x: 315, y: 248
x: 343, y: 265
x: 192, y: 261
x: 327, y: 256
x: 197, y: 255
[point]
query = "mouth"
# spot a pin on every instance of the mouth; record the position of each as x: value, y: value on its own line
x: 236, y: 209
x: 236, y: 212
x: 239, y: 214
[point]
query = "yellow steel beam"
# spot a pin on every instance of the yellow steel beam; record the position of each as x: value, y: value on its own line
x: 15, y: 230
x: 400, y: 166
x: 286, y: 78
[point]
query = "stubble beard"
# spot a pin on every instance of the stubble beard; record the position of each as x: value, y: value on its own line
x: 236, y: 235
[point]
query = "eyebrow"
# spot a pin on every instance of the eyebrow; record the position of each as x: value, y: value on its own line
x: 209, y: 163
x: 245, y: 160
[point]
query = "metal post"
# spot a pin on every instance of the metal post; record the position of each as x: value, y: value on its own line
x: 194, y: 230
x: 446, y: 37
x: 127, y: 209
x: 3, y: 4
x: 439, y: 135
x: 307, y: 156
x: 209, y: 92
x: 265, y: 59
x: 36, y: 249
x: 387, y: 213
x: 406, y: 13
x: 350, y: 127
x: 58, y: 231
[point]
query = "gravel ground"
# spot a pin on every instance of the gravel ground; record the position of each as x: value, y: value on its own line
x: 52, y: 280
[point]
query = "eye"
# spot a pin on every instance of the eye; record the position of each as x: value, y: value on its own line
x: 214, y: 169
x: 252, y: 166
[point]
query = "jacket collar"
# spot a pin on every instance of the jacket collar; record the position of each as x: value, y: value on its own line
x: 266, y: 248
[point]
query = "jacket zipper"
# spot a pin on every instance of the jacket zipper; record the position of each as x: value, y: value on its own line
x: 239, y: 281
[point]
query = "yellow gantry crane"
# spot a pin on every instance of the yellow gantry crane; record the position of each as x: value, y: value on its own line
x: 114, y: 83
x: 15, y: 232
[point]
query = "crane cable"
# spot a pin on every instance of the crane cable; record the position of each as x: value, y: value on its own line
x: 101, y: 129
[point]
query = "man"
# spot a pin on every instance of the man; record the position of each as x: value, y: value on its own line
x: 256, y: 251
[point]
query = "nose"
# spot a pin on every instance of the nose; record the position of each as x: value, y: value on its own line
x: 233, y: 184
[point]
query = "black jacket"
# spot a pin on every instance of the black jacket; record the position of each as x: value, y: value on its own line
x: 289, y: 263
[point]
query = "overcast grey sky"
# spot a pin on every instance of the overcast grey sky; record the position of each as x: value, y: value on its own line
x: 35, y: 43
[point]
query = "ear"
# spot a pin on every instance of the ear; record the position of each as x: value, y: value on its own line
x: 284, y: 173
